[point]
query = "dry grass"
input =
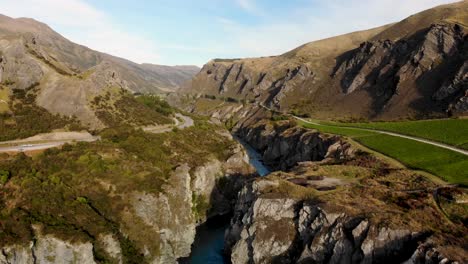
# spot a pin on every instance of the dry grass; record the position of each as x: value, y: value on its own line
x: 4, y: 100
x: 451, y: 13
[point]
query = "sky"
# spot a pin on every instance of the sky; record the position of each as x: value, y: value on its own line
x: 183, y: 32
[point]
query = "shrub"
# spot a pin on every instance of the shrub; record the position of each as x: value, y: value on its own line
x: 4, y: 176
x: 207, y: 96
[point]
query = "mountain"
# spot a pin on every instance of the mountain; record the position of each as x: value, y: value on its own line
x: 68, y: 76
x: 173, y: 76
x: 415, y: 68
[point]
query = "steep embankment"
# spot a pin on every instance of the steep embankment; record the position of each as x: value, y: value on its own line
x: 69, y: 76
x: 283, y: 144
x: 132, y: 197
x: 346, y: 206
x: 414, y: 68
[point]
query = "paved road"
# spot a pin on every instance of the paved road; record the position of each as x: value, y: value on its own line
x: 186, y: 123
x: 422, y: 140
x: 31, y: 147
x: 39, y: 146
x: 53, y: 140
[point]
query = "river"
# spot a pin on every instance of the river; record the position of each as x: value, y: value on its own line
x: 209, y: 242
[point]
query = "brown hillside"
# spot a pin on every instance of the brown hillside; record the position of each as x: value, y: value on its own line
x: 413, y: 68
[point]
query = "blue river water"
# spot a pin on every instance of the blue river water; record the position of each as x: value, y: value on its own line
x: 209, y: 242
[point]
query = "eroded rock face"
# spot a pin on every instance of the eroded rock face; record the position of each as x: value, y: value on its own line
x: 48, y: 249
x: 161, y: 227
x: 422, y: 64
x: 421, y: 73
x: 283, y: 144
x: 237, y: 78
x: 268, y: 228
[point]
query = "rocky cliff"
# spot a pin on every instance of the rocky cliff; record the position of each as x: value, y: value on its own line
x: 285, y: 218
x: 414, y: 68
x: 424, y: 72
x: 132, y: 217
x: 284, y: 144
x: 330, y: 202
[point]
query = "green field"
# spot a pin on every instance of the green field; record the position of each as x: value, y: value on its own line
x: 449, y: 131
x: 448, y: 165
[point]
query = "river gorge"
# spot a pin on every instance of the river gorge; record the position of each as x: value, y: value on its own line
x: 208, y: 247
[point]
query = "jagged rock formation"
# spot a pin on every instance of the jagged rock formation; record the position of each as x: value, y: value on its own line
x: 333, y: 203
x: 422, y: 65
x: 284, y: 144
x: 69, y: 76
x: 48, y: 249
x: 414, y: 68
x: 277, y: 222
x: 237, y: 80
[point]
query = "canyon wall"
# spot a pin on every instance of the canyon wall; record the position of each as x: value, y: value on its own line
x: 161, y: 227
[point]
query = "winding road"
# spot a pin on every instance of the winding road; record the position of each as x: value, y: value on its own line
x: 46, y: 141
x: 186, y: 123
x: 57, y: 139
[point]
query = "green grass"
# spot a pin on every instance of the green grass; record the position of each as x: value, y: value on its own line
x: 450, y: 166
x: 449, y: 131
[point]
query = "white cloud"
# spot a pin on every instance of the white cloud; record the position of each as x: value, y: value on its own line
x: 280, y: 34
x: 247, y: 5
x: 85, y: 25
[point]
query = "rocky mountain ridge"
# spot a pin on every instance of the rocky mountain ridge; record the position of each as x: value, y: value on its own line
x: 411, y: 69
x: 69, y: 76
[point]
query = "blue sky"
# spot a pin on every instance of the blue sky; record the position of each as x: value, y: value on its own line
x: 193, y: 32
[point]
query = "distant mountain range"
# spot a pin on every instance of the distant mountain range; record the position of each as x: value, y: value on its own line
x: 417, y: 68
x: 69, y: 76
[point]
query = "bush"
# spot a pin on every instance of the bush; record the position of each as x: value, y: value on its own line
x: 232, y: 100
x: 4, y: 176
x: 156, y: 103
x: 207, y: 96
x: 28, y: 119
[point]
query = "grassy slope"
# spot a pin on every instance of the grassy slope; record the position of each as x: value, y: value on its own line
x: 448, y: 131
x: 448, y: 165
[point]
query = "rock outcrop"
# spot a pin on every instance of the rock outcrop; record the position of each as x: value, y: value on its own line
x: 421, y: 64
x: 273, y: 227
x: 48, y: 249
x: 237, y: 79
x: 334, y: 204
x: 284, y: 144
